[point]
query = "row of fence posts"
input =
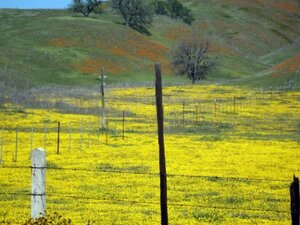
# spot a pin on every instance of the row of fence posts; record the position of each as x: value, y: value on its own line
x: 15, y: 154
x: 184, y: 122
x: 198, y: 114
x: 38, y: 188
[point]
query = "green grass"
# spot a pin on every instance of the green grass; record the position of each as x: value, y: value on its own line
x: 50, y: 46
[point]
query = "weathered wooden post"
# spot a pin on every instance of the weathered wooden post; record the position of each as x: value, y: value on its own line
x: 102, y: 86
x: 162, y: 160
x: 38, y: 183
x: 294, y: 192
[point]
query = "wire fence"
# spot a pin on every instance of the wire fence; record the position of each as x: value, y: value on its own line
x: 213, y: 117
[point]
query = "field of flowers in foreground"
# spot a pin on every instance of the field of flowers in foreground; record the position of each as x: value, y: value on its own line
x: 231, y: 154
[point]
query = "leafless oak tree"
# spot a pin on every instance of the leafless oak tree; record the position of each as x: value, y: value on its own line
x: 191, y: 58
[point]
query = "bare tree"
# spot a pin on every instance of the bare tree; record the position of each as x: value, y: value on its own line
x: 191, y: 58
x: 136, y: 13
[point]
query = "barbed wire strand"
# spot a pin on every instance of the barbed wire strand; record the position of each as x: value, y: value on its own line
x: 134, y: 202
x: 258, y: 179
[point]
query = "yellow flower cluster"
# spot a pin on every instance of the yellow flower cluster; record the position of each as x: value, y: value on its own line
x: 231, y: 154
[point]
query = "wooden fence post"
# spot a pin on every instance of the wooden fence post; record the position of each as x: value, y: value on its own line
x: 102, y: 90
x: 38, y: 183
x: 294, y: 192
x: 162, y: 160
x: 58, y: 137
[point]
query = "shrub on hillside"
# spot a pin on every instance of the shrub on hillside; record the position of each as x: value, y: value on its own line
x: 174, y: 9
x: 86, y: 7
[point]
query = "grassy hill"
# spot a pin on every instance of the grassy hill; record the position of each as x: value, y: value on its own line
x: 55, y: 46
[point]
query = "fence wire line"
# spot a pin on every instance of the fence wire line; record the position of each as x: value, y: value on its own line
x: 149, y: 174
x: 133, y: 202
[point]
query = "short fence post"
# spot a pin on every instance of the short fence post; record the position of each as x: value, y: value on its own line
x: 38, y: 183
x: 58, y: 137
x: 294, y: 192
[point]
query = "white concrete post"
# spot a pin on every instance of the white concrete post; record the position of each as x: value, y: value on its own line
x: 38, y: 183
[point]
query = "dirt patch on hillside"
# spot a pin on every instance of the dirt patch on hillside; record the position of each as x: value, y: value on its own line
x: 93, y: 66
x: 286, y: 67
x: 291, y: 65
x: 286, y: 6
x: 60, y: 43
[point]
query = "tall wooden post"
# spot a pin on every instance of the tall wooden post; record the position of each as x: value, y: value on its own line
x: 38, y: 183
x: 58, y: 137
x: 162, y: 160
x: 294, y: 192
x: 102, y: 86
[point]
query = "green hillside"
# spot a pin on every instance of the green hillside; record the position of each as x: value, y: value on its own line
x: 55, y: 46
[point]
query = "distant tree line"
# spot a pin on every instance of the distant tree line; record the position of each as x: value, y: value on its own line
x: 137, y: 14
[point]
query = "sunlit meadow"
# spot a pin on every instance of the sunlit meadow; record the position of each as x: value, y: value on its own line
x: 231, y: 155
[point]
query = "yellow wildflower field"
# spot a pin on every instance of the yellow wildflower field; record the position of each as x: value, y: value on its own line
x: 231, y: 154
